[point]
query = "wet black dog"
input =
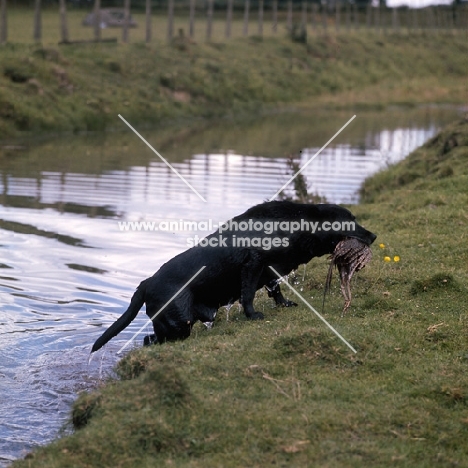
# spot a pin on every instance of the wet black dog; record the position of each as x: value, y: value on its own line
x: 237, y: 258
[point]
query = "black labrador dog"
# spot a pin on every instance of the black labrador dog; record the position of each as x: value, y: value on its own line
x: 236, y: 260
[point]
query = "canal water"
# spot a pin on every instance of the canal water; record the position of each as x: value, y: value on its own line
x: 69, y: 266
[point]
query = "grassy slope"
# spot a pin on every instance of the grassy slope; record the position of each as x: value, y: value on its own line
x: 84, y: 87
x: 286, y: 391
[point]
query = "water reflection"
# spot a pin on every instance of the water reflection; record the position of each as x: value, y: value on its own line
x: 224, y: 177
x: 339, y: 173
x: 117, y: 176
x: 67, y: 269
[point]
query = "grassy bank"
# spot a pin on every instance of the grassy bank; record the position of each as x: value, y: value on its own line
x: 84, y: 87
x: 287, y: 392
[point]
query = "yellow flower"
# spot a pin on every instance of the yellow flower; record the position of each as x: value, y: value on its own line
x: 382, y: 246
x: 396, y: 258
x: 387, y: 259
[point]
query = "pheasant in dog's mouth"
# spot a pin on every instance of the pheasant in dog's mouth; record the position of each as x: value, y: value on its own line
x: 350, y: 255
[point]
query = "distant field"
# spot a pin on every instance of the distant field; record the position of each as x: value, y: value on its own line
x: 49, y: 88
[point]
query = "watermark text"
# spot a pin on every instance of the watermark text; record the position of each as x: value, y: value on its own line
x: 249, y: 233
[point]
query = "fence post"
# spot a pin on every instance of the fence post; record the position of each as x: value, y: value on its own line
x: 97, y: 20
x: 355, y: 16
x: 191, y: 18
x: 368, y: 16
x: 415, y: 20
x: 148, y: 21
x: 37, y: 21
x: 246, y: 17
x: 384, y: 20
x: 324, y: 19
x: 431, y: 19
x: 63, y: 21
x: 443, y: 17
x: 408, y: 20
x: 337, y: 15
x: 348, y: 15
x: 260, y: 17
x: 289, y: 16
x: 209, y: 20
x: 3, y: 22
x: 452, y: 21
x: 304, y: 14
x: 395, y: 24
x: 377, y: 18
x: 275, y: 16
x: 170, y: 20
x: 126, y: 24
x: 448, y: 19
x: 453, y: 7
x: 228, y: 19
x: 436, y: 19
x: 313, y: 17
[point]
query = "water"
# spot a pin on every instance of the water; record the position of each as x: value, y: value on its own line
x: 67, y: 271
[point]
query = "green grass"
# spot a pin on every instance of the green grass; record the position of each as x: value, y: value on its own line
x: 71, y: 88
x: 286, y: 391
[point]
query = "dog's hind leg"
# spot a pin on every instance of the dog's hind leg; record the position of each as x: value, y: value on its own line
x: 175, y: 321
x: 206, y: 314
x: 250, y: 276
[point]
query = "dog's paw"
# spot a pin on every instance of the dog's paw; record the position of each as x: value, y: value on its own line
x: 289, y: 303
x: 256, y: 316
x: 149, y: 340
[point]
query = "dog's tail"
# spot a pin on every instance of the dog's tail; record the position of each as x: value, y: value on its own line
x: 138, y: 299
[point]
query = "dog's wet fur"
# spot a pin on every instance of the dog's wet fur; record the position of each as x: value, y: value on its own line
x: 233, y: 273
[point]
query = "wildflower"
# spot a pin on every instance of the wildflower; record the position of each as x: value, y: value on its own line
x: 382, y: 246
x: 396, y: 258
x: 387, y: 259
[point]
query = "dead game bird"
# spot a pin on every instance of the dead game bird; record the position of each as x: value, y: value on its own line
x: 350, y: 255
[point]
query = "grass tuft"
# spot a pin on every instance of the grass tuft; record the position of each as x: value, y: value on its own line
x: 314, y: 345
x: 437, y: 283
x: 83, y: 409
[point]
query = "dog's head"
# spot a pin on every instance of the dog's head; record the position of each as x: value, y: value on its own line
x: 338, y: 223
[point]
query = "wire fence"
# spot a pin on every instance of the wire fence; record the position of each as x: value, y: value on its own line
x: 215, y: 21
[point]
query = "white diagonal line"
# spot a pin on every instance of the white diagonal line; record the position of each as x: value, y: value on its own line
x: 315, y: 312
x: 312, y: 158
x: 164, y: 160
x: 161, y: 309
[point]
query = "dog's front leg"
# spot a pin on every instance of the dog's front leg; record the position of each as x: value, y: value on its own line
x: 274, y: 291
x: 250, y: 276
